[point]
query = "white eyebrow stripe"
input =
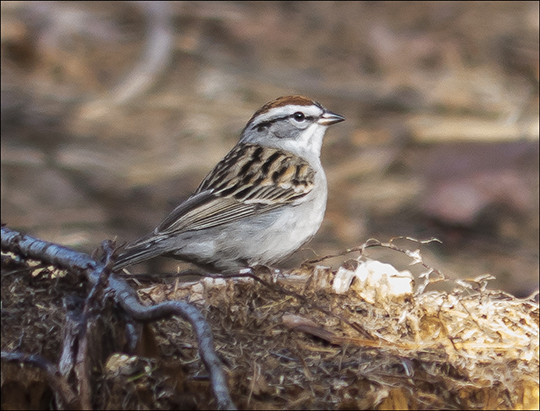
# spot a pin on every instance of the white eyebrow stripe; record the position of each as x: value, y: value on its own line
x: 285, y: 111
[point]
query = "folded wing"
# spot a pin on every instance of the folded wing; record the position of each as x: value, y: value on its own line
x: 250, y: 180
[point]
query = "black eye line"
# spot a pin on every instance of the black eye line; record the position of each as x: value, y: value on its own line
x: 262, y: 126
x: 266, y: 124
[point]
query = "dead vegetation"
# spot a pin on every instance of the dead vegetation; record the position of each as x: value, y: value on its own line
x: 364, y: 336
x: 112, y: 113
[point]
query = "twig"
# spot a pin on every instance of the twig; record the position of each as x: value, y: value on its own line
x: 82, y: 363
x: 66, y: 258
x: 127, y: 298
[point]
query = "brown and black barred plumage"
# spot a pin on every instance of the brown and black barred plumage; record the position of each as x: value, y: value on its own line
x: 257, y: 205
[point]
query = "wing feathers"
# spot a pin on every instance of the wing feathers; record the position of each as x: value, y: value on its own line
x: 251, y: 179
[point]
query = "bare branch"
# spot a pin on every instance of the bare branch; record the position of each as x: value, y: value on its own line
x: 127, y: 298
x: 66, y: 258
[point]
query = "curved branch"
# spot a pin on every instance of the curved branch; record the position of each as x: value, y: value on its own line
x: 66, y: 258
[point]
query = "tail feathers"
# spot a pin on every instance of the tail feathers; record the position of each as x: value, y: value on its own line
x: 137, y: 254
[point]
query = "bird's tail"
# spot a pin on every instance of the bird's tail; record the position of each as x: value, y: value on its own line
x: 137, y: 254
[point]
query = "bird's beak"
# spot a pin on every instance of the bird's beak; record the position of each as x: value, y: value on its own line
x: 329, y: 118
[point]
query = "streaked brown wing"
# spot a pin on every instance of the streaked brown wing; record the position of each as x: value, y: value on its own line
x: 248, y: 181
x: 251, y: 173
x: 208, y: 212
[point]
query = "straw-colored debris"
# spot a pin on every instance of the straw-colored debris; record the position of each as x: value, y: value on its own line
x: 362, y: 336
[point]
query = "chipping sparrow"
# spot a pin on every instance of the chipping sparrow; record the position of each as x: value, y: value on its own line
x: 259, y: 204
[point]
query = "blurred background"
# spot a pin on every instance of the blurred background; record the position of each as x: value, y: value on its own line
x: 113, y: 112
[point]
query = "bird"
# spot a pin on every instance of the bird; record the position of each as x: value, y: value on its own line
x: 260, y: 203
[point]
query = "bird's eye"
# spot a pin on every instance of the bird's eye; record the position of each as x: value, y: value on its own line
x: 299, y: 116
